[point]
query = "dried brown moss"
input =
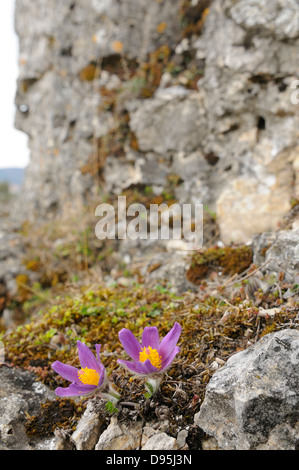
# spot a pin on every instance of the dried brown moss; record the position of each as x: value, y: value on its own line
x: 229, y: 260
x: 193, y: 17
x: 60, y: 413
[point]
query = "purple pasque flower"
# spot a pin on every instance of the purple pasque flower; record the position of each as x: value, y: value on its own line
x: 152, y: 356
x: 88, y: 379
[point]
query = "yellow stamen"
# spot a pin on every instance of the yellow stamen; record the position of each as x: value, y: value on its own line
x: 89, y: 376
x: 152, y: 355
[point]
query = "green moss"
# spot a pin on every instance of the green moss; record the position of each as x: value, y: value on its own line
x: 91, y: 317
x: 95, y: 315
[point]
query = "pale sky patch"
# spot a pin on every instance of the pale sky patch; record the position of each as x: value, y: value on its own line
x: 14, y: 151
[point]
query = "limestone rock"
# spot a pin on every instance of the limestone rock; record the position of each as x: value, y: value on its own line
x: 245, y: 102
x: 160, y: 441
x: 58, y: 99
x: 173, y: 120
x: 136, y: 25
x: 13, y: 271
x: 280, y: 252
x: 181, y: 438
x: 11, y: 249
x: 252, y: 402
x: 248, y: 208
x: 170, y: 267
x: 73, y: 33
x: 120, y: 437
x: 279, y: 18
x: 232, y: 139
x: 20, y: 394
x: 88, y: 429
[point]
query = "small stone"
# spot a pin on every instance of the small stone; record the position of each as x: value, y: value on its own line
x: 120, y: 437
x: 88, y: 429
x: 181, y: 438
x: 209, y: 444
x: 161, y: 441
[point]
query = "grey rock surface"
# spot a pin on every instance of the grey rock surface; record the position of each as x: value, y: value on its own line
x: 20, y: 394
x: 174, y: 120
x: 233, y: 139
x: 279, y: 252
x: 70, y: 34
x: 120, y: 437
x: 171, y: 268
x: 279, y: 18
x: 244, y: 61
x: 253, y: 401
x: 87, y: 432
x: 160, y: 441
x: 58, y: 109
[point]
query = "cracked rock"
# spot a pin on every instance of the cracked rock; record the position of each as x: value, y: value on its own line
x: 252, y: 403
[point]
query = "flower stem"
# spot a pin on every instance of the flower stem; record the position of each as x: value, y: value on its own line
x: 111, y: 394
x: 153, y: 385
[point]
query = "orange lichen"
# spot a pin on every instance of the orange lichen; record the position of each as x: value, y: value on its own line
x: 161, y: 27
x: 117, y: 46
x: 88, y: 73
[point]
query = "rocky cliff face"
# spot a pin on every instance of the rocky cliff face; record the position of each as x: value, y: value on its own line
x: 118, y: 93
x: 189, y: 101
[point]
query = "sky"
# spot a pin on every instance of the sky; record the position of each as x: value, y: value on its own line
x: 13, y: 149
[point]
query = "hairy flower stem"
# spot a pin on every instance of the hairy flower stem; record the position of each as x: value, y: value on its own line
x: 153, y: 385
x: 110, y: 394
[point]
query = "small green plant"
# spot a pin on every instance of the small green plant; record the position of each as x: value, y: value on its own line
x: 111, y: 408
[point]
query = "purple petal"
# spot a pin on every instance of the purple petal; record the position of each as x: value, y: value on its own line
x: 169, y: 341
x: 86, y: 357
x: 143, y: 368
x: 67, y: 372
x: 98, y: 349
x: 102, y: 371
x: 74, y: 390
x: 130, y: 343
x: 167, y: 363
x: 148, y: 367
x: 150, y: 337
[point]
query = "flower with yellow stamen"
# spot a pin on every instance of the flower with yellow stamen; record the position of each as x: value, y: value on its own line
x: 152, y: 356
x: 89, y: 376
